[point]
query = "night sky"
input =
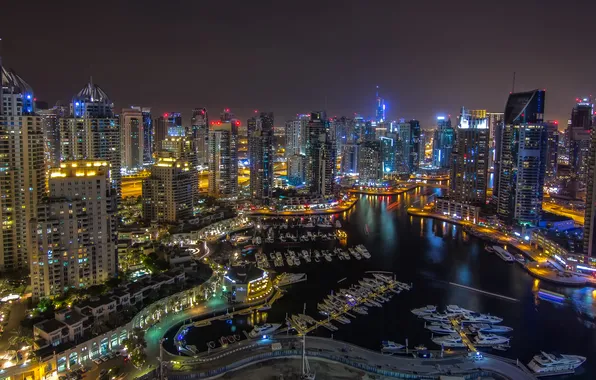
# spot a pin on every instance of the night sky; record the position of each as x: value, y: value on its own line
x: 428, y: 57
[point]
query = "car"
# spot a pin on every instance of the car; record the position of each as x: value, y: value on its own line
x: 97, y: 361
x: 103, y: 372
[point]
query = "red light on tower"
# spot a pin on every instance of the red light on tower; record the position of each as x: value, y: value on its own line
x: 256, y: 111
x: 165, y: 115
x: 227, y: 110
x: 237, y: 123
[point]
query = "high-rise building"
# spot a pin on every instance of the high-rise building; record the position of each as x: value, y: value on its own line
x: 177, y: 147
x: 170, y: 192
x: 369, y: 162
x: 590, y: 212
x: 580, y: 128
x: 147, y: 135
x: 522, y: 159
x: 349, y: 159
x: 50, y: 123
x: 76, y: 238
x: 260, y: 156
x: 167, y: 125
x: 200, y: 135
x: 552, y: 155
x: 22, y: 172
x: 320, y: 155
x: 92, y: 131
x: 380, y: 108
x: 296, y: 135
x: 223, y: 156
x: 414, y: 159
x: 469, y: 177
x: 296, y: 170
x: 388, y: 153
x: 132, y: 138
x: 443, y: 142
x: 495, y: 120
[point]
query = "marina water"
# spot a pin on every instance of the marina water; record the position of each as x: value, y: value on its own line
x: 435, y: 257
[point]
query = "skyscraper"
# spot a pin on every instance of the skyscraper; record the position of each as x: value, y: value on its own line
x: 200, y: 135
x: 132, y: 138
x: 50, y: 123
x: 22, y: 174
x: 76, y: 238
x: 296, y: 135
x: 92, y: 131
x: 388, y: 151
x: 523, y: 159
x: 579, y: 133
x: 167, y: 125
x: 320, y: 156
x: 260, y: 157
x: 443, y: 141
x: 380, y: 108
x: 552, y: 155
x: 469, y: 177
x: 414, y: 159
x: 171, y: 190
x: 590, y: 213
x: 495, y: 120
x: 147, y: 135
x: 223, y: 156
x: 369, y: 162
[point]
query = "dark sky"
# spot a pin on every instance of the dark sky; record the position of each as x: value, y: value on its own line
x: 291, y: 57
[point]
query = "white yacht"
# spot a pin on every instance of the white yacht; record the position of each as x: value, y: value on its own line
x: 265, y: 329
x: 490, y: 339
x: 441, y: 328
x: 544, y: 362
x: 457, y: 310
x: 436, y: 317
x: 453, y: 340
x: 337, y: 224
x: 503, y: 254
x: 480, y: 318
x: 491, y: 329
x: 324, y: 225
x: 425, y: 310
x: 391, y: 346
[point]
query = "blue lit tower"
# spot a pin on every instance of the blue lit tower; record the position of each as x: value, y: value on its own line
x: 443, y: 141
x: 380, y: 108
x: 523, y: 142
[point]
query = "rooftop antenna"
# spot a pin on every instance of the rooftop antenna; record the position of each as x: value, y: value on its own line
x: 513, y: 86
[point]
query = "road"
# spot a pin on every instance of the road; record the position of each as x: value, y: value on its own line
x: 577, y: 216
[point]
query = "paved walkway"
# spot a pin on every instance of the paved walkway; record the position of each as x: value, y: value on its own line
x: 337, y: 350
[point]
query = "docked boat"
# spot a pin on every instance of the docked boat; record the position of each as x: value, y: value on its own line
x: 329, y: 326
x: 548, y: 295
x: 327, y: 256
x: 391, y: 346
x: 441, y: 328
x: 436, y: 317
x: 265, y: 329
x: 489, y: 329
x: 337, y: 224
x: 480, y: 318
x: 453, y: 340
x: 425, y: 310
x: 490, y: 339
x: 360, y: 310
x: 342, y: 319
x: 544, y: 362
x: 324, y: 225
x: 503, y: 254
x: 520, y: 258
x: 457, y: 310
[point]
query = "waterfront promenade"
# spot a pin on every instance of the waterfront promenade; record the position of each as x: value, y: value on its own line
x: 345, y: 206
x: 250, y: 352
x: 541, y: 267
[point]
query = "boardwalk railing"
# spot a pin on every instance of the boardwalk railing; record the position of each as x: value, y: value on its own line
x: 313, y: 354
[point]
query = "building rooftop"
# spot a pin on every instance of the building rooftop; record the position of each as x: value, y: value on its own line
x: 92, y: 92
x: 50, y: 325
x: 244, y: 274
x: 73, y: 317
x: 11, y: 79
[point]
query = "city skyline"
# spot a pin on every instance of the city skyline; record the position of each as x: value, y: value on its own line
x: 342, y: 78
